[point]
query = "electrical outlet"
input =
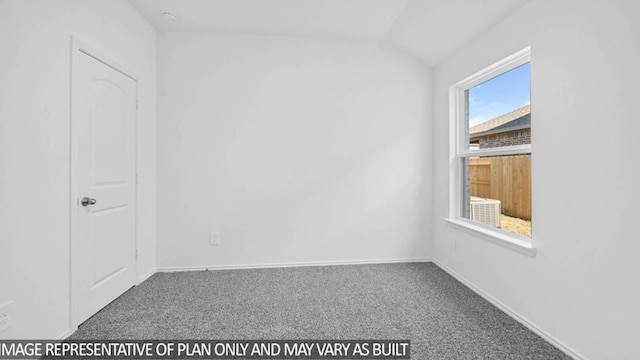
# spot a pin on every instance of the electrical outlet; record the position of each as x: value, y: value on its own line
x: 5, y: 317
x: 452, y: 240
x: 214, y: 238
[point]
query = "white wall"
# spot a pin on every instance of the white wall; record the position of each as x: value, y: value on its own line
x: 35, y: 43
x: 295, y: 149
x: 582, y: 288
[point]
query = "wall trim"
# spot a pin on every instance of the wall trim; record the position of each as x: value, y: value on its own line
x: 66, y: 334
x: 291, y: 264
x: 145, y: 277
x: 513, y: 314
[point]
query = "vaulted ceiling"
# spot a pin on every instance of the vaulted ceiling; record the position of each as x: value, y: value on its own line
x: 428, y: 29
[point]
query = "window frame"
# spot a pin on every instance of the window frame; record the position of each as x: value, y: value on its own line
x: 458, y: 151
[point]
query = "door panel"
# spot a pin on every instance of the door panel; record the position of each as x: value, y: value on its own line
x: 110, y: 158
x: 103, y: 155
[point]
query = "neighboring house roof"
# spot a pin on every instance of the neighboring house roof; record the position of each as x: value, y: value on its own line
x: 516, y: 119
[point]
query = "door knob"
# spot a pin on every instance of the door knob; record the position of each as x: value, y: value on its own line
x: 85, y: 201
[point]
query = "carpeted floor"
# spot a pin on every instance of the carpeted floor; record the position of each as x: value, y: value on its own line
x: 416, y: 301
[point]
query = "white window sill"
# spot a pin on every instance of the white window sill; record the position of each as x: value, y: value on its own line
x: 512, y: 242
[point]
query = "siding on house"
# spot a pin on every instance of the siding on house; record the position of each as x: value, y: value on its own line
x: 512, y: 128
x: 517, y: 137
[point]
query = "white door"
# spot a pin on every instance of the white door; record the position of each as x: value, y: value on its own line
x: 103, y: 242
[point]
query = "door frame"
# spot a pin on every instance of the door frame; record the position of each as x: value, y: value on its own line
x: 78, y: 46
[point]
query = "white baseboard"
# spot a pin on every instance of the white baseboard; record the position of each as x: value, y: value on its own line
x: 65, y: 334
x: 145, y: 277
x: 531, y: 326
x: 292, y: 264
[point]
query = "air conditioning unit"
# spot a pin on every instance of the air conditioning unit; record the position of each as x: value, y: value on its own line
x: 486, y: 211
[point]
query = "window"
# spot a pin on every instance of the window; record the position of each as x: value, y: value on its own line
x: 491, y: 152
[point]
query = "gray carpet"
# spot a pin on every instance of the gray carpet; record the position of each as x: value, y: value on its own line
x: 416, y: 301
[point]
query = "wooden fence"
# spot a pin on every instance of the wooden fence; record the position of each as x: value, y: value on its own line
x: 505, y: 178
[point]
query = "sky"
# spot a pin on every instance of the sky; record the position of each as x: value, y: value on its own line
x: 500, y: 95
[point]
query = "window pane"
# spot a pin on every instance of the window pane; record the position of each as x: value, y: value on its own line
x: 499, y: 110
x: 497, y: 192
